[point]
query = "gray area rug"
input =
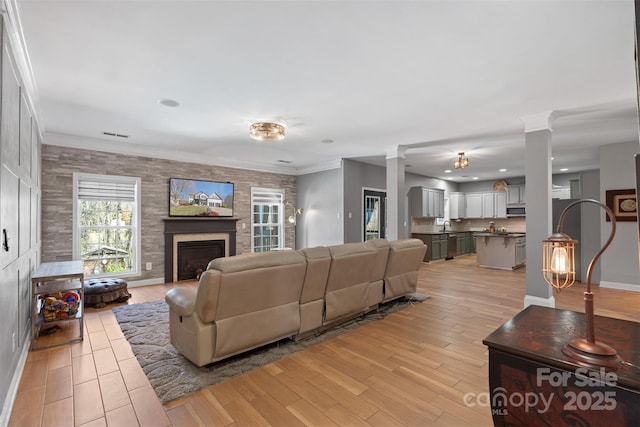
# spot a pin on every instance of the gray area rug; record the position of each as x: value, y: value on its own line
x: 146, y: 327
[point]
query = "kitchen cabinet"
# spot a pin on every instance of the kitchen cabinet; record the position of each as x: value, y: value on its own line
x: 486, y: 205
x: 463, y: 243
x: 500, y: 204
x: 561, y: 192
x: 516, y: 194
x: 426, y: 202
x: 474, y: 205
x: 503, y: 251
x: 457, y: 208
x: 437, y: 245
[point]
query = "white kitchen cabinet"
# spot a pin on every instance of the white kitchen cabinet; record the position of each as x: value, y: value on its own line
x: 488, y: 205
x: 457, y: 205
x: 503, y: 252
x: 426, y: 202
x: 516, y: 194
x: 474, y: 205
x: 500, y: 204
x: 561, y: 193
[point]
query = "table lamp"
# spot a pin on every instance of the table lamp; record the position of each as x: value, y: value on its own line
x: 558, y: 268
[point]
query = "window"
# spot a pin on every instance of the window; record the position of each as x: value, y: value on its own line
x: 267, y: 219
x: 106, y: 218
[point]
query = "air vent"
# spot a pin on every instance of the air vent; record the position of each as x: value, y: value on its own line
x: 285, y: 161
x: 119, y: 135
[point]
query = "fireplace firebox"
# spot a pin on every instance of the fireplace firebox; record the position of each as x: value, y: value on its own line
x: 193, y: 257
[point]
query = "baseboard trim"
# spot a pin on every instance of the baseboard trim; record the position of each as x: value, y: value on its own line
x: 7, y: 407
x: 544, y: 302
x: 146, y: 282
x: 621, y: 286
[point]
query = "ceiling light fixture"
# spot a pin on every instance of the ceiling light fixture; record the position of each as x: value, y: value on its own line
x: 462, y: 161
x: 266, y: 131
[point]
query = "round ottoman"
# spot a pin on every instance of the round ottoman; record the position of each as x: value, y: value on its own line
x: 98, y: 292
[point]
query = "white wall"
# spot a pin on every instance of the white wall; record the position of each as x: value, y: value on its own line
x: 320, y: 194
x: 619, y: 264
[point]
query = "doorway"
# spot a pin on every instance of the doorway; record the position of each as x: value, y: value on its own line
x: 374, y: 217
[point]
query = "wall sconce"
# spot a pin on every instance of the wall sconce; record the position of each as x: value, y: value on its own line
x: 558, y: 268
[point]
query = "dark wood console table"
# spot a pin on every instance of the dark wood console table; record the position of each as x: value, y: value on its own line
x: 532, y: 383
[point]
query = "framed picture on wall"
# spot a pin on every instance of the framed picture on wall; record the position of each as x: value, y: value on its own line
x: 623, y: 203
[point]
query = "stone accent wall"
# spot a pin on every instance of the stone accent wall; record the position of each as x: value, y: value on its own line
x: 59, y: 163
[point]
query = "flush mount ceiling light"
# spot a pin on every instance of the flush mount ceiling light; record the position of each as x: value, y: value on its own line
x: 462, y: 161
x: 266, y: 131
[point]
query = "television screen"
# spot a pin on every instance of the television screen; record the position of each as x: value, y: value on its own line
x: 192, y: 197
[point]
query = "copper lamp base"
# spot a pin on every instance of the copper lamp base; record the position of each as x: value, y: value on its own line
x: 592, y: 353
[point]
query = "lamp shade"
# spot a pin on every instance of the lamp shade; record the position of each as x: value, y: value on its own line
x: 558, y: 260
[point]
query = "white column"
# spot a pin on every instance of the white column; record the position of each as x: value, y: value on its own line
x: 396, y: 197
x: 539, y: 208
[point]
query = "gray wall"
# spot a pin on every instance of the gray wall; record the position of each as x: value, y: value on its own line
x: 356, y: 176
x: 320, y: 194
x: 620, y: 262
x: 19, y: 218
x: 59, y: 163
x: 590, y: 224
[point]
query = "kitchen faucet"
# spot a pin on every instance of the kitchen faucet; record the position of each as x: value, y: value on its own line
x: 444, y: 226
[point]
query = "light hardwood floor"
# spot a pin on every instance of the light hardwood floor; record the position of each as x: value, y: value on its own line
x: 411, y: 368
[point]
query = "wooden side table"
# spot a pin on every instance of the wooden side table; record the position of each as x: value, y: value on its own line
x: 532, y: 383
x: 52, y: 278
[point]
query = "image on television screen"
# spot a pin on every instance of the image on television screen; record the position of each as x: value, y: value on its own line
x: 198, y: 198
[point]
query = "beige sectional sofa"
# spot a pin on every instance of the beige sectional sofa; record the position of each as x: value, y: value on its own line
x: 249, y: 300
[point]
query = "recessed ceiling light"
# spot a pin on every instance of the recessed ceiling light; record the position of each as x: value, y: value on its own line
x: 564, y: 169
x: 447, y: 171
x: 168, y: 102
x: 475, y: 177
x: 552, y: 158
x: 326, y: 141
x: 503, y: 170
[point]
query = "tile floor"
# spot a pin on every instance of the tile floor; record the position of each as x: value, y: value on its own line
x: 96, y: 382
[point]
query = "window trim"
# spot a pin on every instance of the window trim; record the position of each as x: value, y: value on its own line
x: 136, y: 222
x: 281, y: 225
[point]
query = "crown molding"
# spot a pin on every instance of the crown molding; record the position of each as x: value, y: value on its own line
x: 320, y: 167
x: 539, y: 121
x: 118, y: 147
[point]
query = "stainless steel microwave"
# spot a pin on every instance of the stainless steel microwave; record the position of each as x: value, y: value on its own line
x: 516, y: 211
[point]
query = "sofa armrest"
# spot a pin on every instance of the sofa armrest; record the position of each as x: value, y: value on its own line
x: 182, y: 300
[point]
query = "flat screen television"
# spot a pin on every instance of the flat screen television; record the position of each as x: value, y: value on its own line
x: 198, y: 198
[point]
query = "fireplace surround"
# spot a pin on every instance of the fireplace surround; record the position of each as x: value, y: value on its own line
x: 178, y: 230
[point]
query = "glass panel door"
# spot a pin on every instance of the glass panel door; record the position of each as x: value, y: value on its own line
x: 374, y: 215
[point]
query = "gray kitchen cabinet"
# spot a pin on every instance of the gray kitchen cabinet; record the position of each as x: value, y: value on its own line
x: 426, y: 202
x: 463, y: 241
x: 437, y: 245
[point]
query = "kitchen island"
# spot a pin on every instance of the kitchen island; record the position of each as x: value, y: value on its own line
x: 505, y: 251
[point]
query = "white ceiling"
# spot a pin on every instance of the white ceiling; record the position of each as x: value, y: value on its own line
x: 442, y: 76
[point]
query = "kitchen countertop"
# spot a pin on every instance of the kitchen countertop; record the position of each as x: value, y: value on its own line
x: 442, y: 232
x: 507, y: 235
